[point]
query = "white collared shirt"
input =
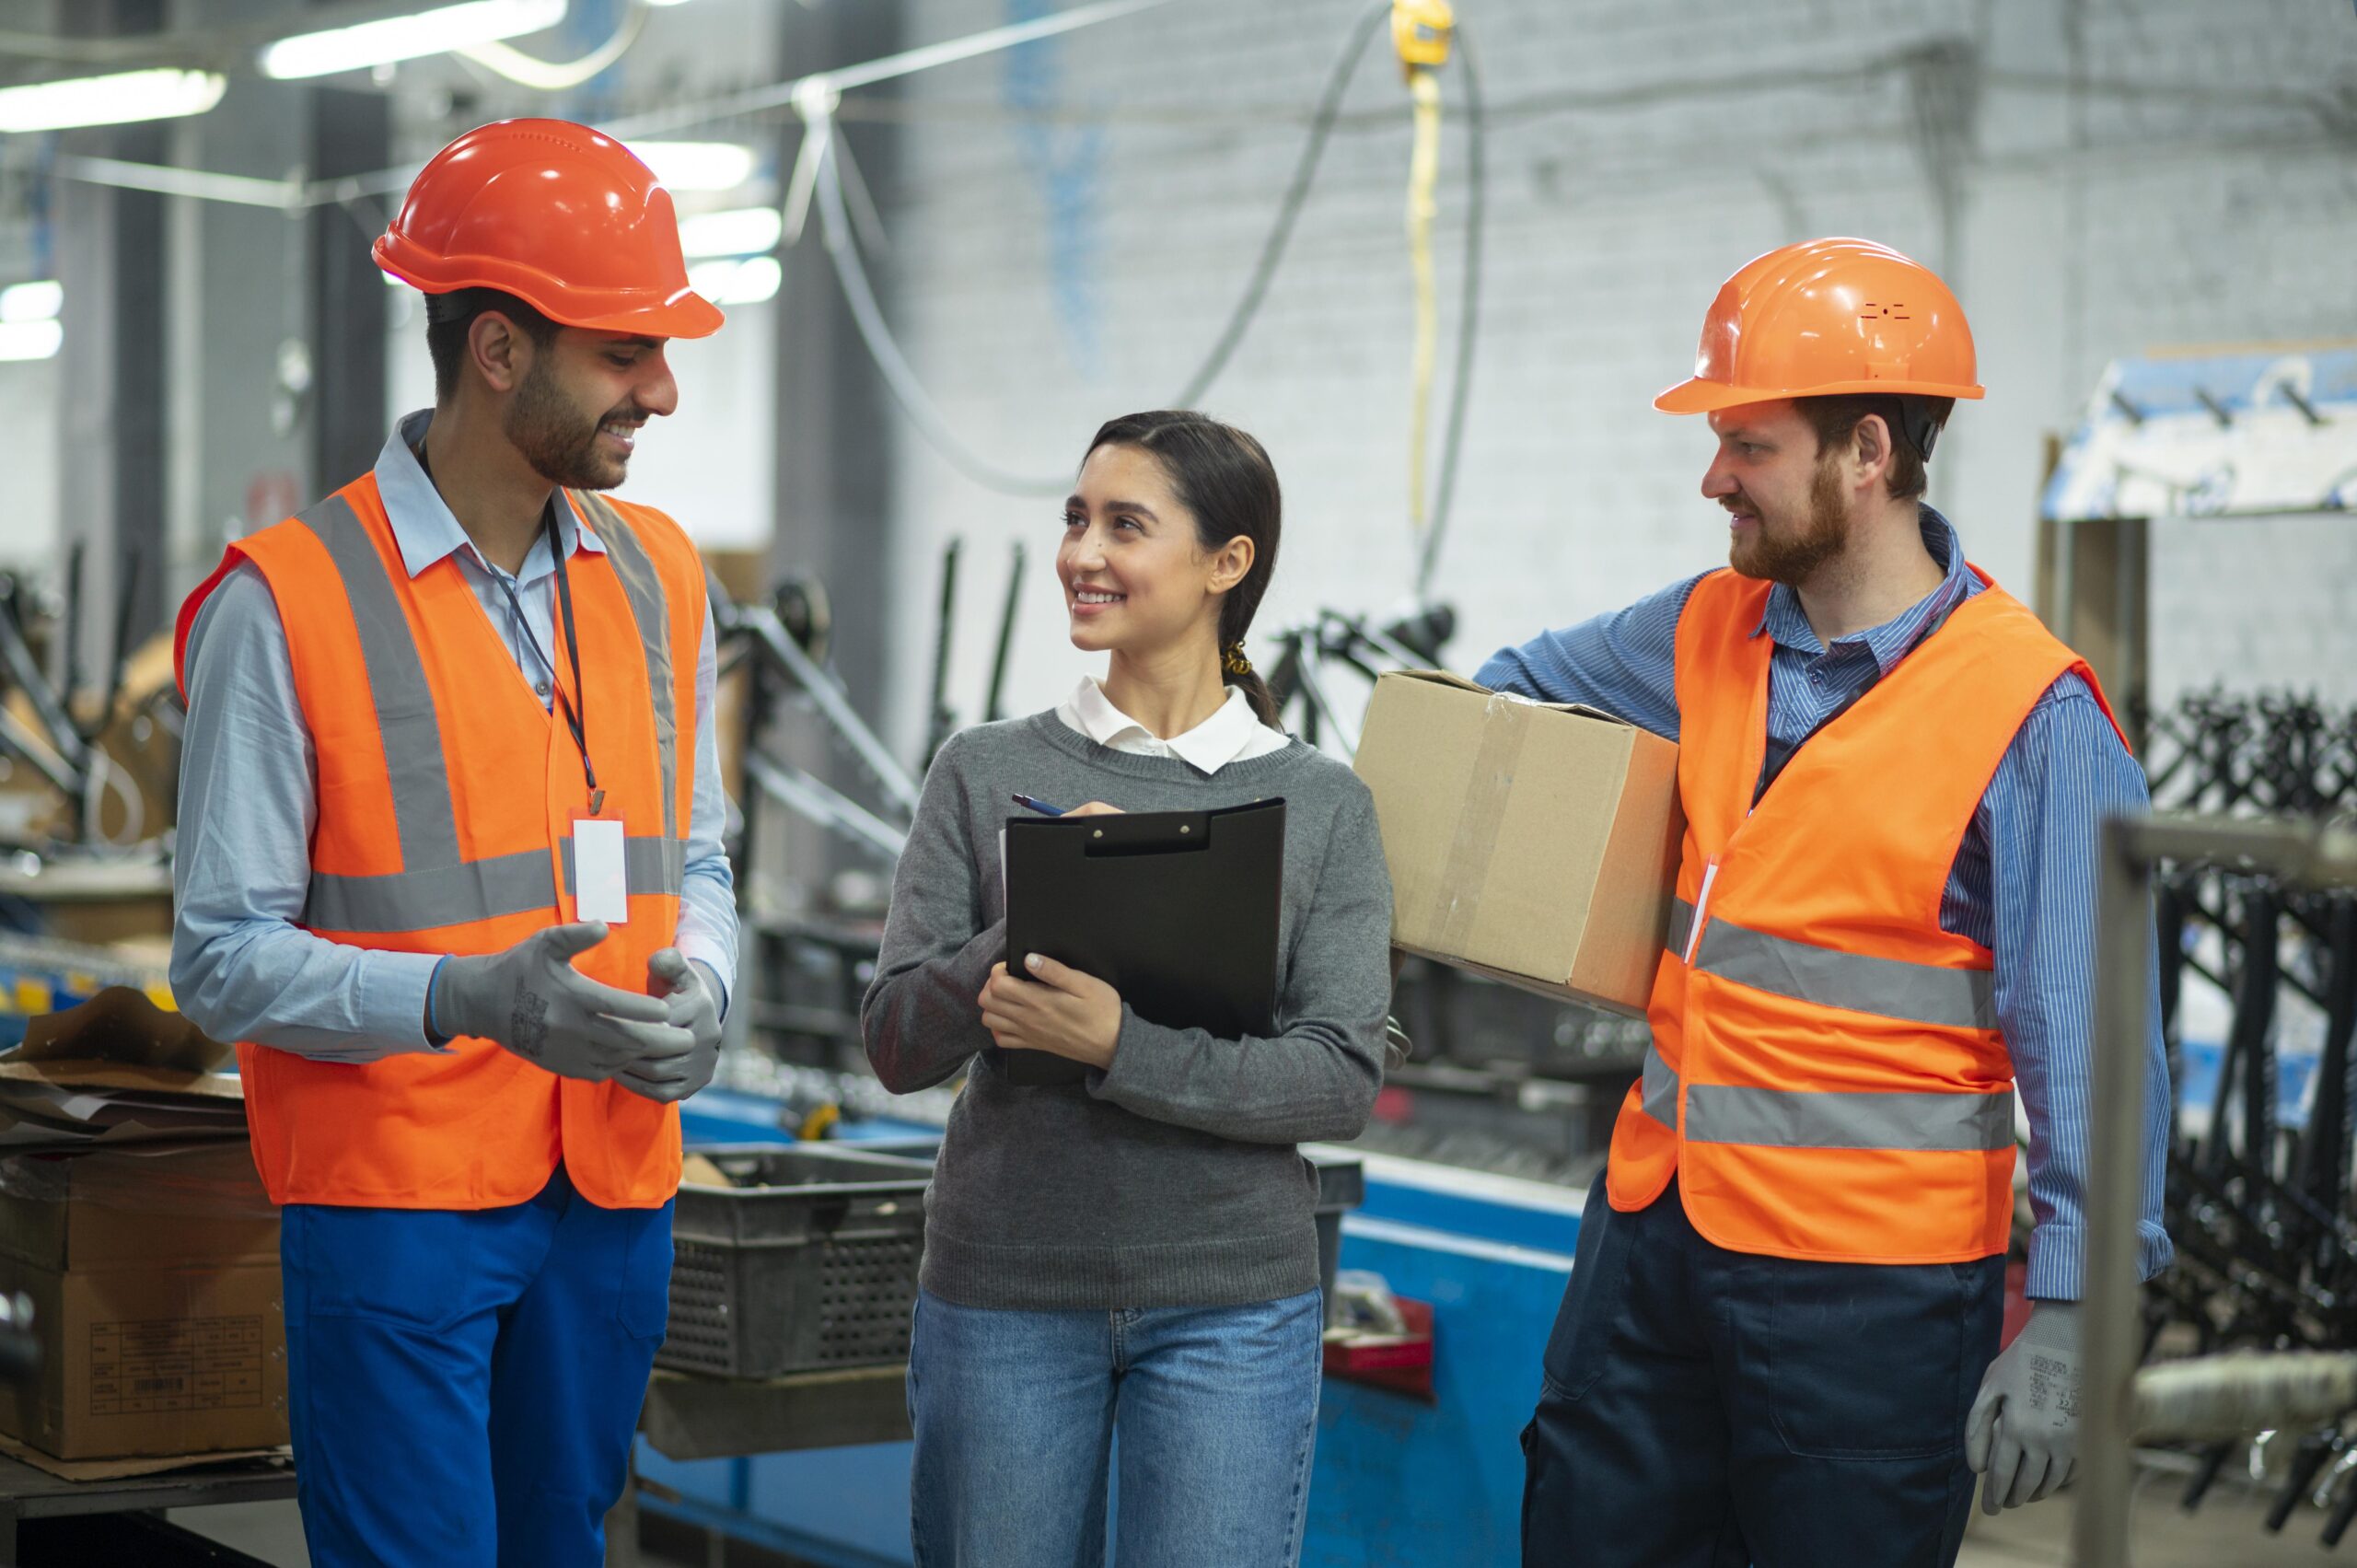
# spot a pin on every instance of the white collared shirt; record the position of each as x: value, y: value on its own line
x: 1231, y: 734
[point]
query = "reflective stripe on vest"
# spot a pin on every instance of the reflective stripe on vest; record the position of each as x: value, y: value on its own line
x: 1660, y: 1092
x: 423, y: 815
x: 1777, y: 1119
x: 1856, y: 983
x: 1736, y: 1113
x: 436, y: 888
x: 476, y: 889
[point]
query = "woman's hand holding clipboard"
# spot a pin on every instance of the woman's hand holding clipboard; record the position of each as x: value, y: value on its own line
x: 1057, y: 1009
x: 1174, y: 913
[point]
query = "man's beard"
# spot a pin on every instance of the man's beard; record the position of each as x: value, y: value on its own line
x: 560, y: 444
x: 1794, y: 557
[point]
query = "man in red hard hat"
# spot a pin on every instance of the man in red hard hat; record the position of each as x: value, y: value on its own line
x: 450, y: 870
x: 1779, y: 1345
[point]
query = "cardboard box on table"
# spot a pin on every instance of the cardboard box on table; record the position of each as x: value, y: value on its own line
x: 1535, y: 843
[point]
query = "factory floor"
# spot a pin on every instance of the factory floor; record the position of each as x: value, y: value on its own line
x: 2227, y: 1532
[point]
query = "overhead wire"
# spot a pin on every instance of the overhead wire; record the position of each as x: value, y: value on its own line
x: 554, y: 76
x: 1468, y: 313
x: 902, y: 381
x: 1428, y: 521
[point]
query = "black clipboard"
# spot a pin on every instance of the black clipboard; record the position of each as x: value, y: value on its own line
x: 1175, y: 909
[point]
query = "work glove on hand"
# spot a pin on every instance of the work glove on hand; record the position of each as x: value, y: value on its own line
x: 531, y: 1000
x: 2024, y: 1430
x: 692, y: 996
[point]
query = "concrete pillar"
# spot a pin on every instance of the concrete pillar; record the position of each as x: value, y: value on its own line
x: 836, y: 428
x: 110, y: 254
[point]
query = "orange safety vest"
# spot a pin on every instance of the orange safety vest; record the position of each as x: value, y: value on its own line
x: 1826, y: 1078
x: 446, y: 795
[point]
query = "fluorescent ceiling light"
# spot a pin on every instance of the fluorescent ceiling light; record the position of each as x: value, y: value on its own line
x: 749, y: 282
x: 163, y: 94
x: 29, y: 340
x: 697, y: 165
x: 436, y: 31
x: 741, y: 231
x: 32, y: 301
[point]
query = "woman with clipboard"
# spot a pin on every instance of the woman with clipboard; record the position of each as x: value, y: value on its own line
x: 1135, y: 1252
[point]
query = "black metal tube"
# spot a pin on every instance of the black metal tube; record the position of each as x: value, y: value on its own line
x: 940, y: 721
x: 994, y: 701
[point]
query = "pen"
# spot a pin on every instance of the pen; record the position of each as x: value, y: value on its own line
x: 1042, y: 806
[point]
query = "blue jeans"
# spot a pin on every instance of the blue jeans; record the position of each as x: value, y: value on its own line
x: 1016, y: 1414
x: 1709, y: 1409
x: 464, y: 1384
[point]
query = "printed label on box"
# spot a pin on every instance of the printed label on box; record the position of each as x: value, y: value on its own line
x: 176, y: 1364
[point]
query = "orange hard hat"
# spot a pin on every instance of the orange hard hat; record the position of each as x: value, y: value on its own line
x: 563, y: 217
x: 1824, y: 317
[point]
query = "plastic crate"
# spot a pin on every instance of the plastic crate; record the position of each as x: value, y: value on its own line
x: 808, y: 1262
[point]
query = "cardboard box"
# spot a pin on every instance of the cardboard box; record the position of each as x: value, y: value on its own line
x: 1534, y: 843
x: 155, y: 1282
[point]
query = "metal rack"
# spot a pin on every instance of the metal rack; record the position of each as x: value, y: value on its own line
x: 2236, y: 1392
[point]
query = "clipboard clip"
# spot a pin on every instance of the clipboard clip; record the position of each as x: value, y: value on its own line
x: 1161, y: 832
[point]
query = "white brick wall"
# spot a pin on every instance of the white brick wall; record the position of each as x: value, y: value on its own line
x: 2129, y: 221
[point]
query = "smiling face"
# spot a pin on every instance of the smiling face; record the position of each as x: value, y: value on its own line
x: 576, y: 412
x: 1791, y: 507
x: 1136, y: 577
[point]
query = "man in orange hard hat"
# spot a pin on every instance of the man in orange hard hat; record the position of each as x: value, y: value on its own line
x: 450, y: 872
x: 1779, y: 1345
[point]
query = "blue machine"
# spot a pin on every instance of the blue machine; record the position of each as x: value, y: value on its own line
x: 1399, y: 1481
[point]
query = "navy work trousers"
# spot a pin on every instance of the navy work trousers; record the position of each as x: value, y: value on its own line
x: 1709, y: 1409
x: 465, y: 1385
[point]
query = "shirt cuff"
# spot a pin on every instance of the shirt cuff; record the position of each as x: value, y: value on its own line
x: 392, y: 999
x: 717, y: 956
x: 2057, y: 1259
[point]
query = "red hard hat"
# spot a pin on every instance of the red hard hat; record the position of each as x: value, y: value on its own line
x: 563, y: 217
x: 1828, y: 316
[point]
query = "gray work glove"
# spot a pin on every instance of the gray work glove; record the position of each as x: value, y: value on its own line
x: 531, y: 1000
x: 2024, y: 1430
x: 692, y: 997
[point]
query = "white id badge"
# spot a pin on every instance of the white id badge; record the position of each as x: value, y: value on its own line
x: 600, y: 889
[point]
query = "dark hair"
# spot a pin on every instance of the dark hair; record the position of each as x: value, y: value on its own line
x: 1836, y: 418
x: 451, y: 316
x: 1224, y: 478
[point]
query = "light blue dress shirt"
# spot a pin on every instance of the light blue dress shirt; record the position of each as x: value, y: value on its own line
x: 2023, y: 882
x: 242, y: 969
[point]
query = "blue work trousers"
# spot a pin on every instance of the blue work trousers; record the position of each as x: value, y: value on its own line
x: 465, y: 1384
x: 1709, y: 1409
x: 1017, y: 1414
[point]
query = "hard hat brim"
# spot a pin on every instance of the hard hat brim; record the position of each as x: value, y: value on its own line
x: 686, y: 314
x: 1696, y: 395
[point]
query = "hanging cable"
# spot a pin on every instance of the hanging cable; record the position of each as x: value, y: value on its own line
x: 1420, y: 30
x: 1304, y: 169
x: 1469, y: 312
x: 556, y: 76
x: 816, y: 104
x: 834, y: 228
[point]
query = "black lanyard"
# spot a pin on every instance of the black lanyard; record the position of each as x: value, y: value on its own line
x: 572, y: 642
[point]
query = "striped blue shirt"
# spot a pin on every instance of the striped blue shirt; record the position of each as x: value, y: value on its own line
x: 2023, y: 882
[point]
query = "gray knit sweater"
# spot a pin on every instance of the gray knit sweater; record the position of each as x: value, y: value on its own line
x: 1170, y: 1179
